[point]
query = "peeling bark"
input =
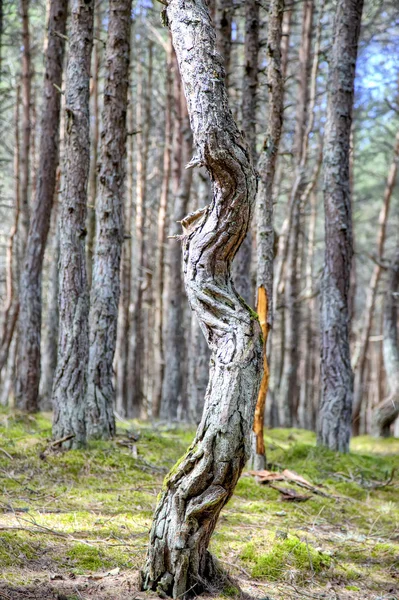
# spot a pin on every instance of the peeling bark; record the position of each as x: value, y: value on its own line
x: 178, y: 561
x: 335, y: 414
x: 70, y: 379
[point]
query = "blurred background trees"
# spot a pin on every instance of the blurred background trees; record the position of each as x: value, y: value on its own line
x: 160, y: 365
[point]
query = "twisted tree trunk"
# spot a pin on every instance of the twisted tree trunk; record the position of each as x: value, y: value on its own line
x: 105, y: 287
x: 30, y: 312
x: 387, y: 411
x: 203, y: 481
x: 335, y: 414
x: 70, y: 379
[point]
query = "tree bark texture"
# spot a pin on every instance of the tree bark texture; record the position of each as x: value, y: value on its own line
x: 289, y: 388
x: 335, y: 414
x: 30, y: 312
x: 70, y: 381
x: 95, y: 119
x: 105, y: 288
x: 387, y: 411
x: 223, y: 23
x: 123, y: 333
x: 50, y: 337
x: 26, y: 122
x: 159, y: 355
x: 172, y: 386
x: 136, y: 361
x: 265, y: 231
x: 243, y: 263
x: 203, y: 481
x: 11, y: 304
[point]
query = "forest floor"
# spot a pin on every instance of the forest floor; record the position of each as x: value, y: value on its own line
x: 74, y: 525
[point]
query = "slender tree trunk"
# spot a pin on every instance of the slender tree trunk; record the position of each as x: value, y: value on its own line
x: 136, y: 370
x: 174, y: 334
x: 70, y: 380
x: 387, y: 411
x: 288, y: 392
x: 243, y: 263
x: 123, y: 333
x: 49, y: 354
x: 265, y: 231
x: 367, y: 315
x: 26, y: 121
x: 305, y: 408
x: 11, y: 305
x: 159, y: 267
x: 105, y: 288
x: 199, y: 486
x: 95, y: 118
x: 30, y: 313
x: 335, y: 413
x: 223, y: 22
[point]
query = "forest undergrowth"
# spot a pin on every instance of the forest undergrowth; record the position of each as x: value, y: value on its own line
x: 74, y: 525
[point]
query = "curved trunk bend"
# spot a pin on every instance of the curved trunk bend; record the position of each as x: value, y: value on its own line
x: 198, y: 487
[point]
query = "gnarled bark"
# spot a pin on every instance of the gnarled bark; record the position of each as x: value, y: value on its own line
x: 203, y: 481
x: 387, y: 411
x: 335, y: 414
x: 105, y: 287
x: 70, y: 379
x: 30, y: 312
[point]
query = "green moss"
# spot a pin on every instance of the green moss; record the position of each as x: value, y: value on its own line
x: 16, y: 549
x: 284, y: 555
x: 102, y: 500
x: 352, y: 588
x: 86, y: 558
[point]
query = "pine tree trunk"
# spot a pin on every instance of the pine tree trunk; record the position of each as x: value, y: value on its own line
x: 265, y: 231
x: 174, y: 333
x: 30, y: 313
x: 288, y: 392
x: 49, y: 353
x: 105, y: 288
x: 203, y: 481
x: 95, y: 119
x: 243, y: 263
x: 223, y: 22
x: 11, y: 305
x: 137, y: 364
x: 367, y: 316
x: 335, y: 413
x: 70, y: 380
x: 160, y: 256
x: 387, y: 411
x: 25, y: 122
x: 123, y: 332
